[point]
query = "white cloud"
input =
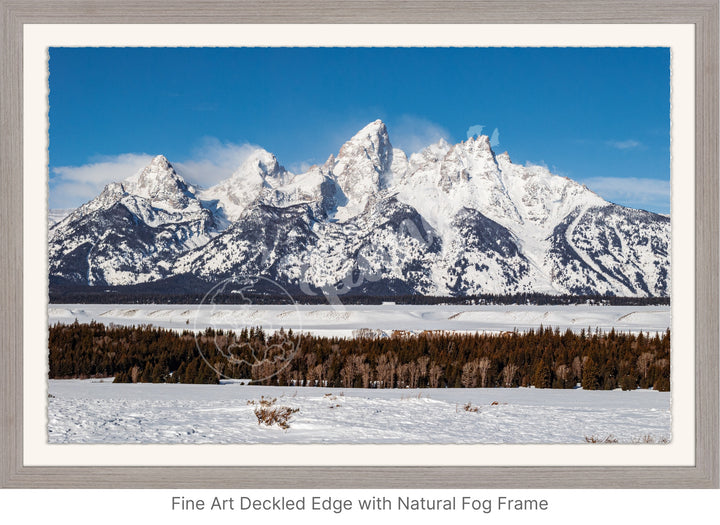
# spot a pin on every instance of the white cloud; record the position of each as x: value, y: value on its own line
x: 642, y: 193
x: 541, y: 163
x: 213, y: 161
x: 412, y: 134
x: 302, y: 166
x: 623, y: 144
x: 106, y: 169
x: 71, y: 186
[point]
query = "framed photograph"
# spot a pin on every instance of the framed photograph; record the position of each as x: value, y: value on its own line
x: 458, y: 245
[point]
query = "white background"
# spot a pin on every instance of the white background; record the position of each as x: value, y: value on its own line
x: 566, y: 506
x: 586, y: 507
x: 37, y: 39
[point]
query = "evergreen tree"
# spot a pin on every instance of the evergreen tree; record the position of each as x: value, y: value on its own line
x: 542, y: 378
x: 591, y: 375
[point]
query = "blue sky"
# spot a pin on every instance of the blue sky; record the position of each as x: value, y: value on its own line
x: 596, y: 115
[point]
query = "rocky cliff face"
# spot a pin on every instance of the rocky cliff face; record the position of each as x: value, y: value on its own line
x: 450, y: 220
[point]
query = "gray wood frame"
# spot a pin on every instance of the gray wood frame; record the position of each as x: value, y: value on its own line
x: 702, y: 13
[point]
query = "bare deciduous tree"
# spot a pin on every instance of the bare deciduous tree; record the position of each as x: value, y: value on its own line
x: 403, y: 375
x: 562, y: 371
x: 385, y: 370
x: 483, y: 367
x: 576, y: 367
x: 644, y: 362
x: 365, y: 371
x: 423, y: 364
x: 135, y: 373
x: 469, y: 378
x: 413, y: 371
x: 508, y: 374
x: 434, y: 375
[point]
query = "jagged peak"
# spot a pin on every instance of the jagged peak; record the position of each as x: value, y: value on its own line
x: 261, y: 161
x: 159, y: 180
x: 159, y: 168
x: 443, y: 185
x: 478, y: 142
x: 377, y: 127
x: 435, y: 150
x: 160, y: 161
x: 441, y: 144
x: 374, y: 136
x: 473, y: 148
x: 367, y: 153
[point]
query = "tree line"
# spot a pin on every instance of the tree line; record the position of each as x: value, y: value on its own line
x: 543, y: 358
x: 174, y: 294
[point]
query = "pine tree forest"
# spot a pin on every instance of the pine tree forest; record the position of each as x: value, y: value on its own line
x: 543, y: 358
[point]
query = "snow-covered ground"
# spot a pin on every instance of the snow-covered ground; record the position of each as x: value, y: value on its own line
x: 94, y: 411
x: 91, y: 411
x: 344, y: 320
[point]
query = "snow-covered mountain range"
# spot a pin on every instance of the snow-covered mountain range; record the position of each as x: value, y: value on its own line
x: 449, y: 220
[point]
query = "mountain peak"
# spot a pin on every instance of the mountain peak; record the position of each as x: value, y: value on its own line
x: 329, y: 162
x: 363, y: 165
x: 432, y: 153
x: 374, y: 133
x: 160, y: 161
x: 478, y: 143
x: 441, y: 144
x: 451, y: 220
x: 260, y: 171
x: 376, y: 126
x: 260, y: 163
x: 158, y: 181
x: 157, y: 170
x: 372, y: 142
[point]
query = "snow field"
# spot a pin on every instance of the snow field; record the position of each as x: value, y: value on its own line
x: 91, y: 411
x: 342, y: 321
x: 97, y: 411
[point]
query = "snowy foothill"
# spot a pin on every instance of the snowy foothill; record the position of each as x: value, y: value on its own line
x: 345, y: 321
x: 98, y: 411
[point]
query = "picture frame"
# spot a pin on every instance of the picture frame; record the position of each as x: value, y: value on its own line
x: 703, y: 14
